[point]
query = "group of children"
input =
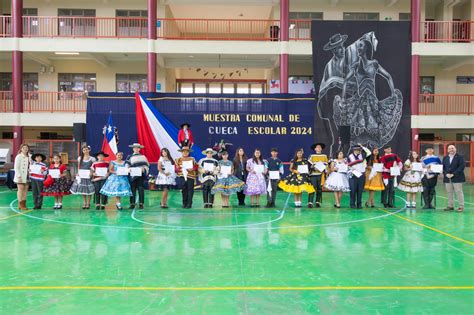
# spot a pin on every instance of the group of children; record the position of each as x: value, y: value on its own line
x: 361, y: 170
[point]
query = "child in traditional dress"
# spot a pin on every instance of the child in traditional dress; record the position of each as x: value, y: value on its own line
x: 186, y: 176
x: 256, y: 184
x: 317, y: 176
x: 227, y: 184
x: 37, y: 179
x: 207, y: 176
x: 240, y: 171
x: 373, y: 179
x: 99, y: 180
x: 166, y: 175
x: 337, y: 181
x: 185, y: 136
x: 117, y: 185
x: 57, y: 187
x: 411, y: 181
x: 83, y: 186
x: 137, y: 182
x: 298, y: 181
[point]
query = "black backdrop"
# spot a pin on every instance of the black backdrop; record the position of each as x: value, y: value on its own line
x: 366, y: 99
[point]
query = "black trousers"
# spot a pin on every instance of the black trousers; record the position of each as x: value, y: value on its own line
x: 356, y: 185
x: 316, y: 182
x: 271, y: 197
x: 241, y: 198
x: 429, y: 190
x: 99, y: 198
x: 207, y: 197
x: 37, y: 188
x: 188, y: 193
x: 138, y: 183
x: 388, y: 194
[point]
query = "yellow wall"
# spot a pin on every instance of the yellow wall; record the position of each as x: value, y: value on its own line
x: 445, y: 80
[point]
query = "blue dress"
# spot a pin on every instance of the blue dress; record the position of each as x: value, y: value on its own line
x: 116, y: 186
x: 227, y: 185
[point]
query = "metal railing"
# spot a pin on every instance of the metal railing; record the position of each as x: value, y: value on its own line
x: 446, y: 104
x: 41, y: 101
x: 447, y: 31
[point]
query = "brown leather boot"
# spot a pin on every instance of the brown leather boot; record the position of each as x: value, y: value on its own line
x: 21, y: 205
x: 24, y: 205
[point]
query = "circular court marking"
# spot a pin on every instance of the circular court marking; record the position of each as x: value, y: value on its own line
x: 209, y: 228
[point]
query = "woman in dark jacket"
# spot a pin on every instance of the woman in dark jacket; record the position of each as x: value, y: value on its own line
x: 240, y: 171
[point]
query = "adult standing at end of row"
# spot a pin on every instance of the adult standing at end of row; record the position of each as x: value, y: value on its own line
x: 21, y: 167
x: 453, y: 170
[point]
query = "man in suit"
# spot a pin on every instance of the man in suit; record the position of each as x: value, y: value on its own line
x: 453, y: 171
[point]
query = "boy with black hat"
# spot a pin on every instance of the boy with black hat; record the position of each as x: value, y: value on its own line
x: 186, y: 170
x: 208, y: 176
x: 275, y: 170
x: 99, y: 180
x: 357, y: 163
x: 389, y: 160
x: 138, y: 182
x: 316, y: 175
x: 37, y: 178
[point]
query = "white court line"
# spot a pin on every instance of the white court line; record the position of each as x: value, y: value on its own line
x: 168, y: 229
x: 180, y: 227
x: 469, y: 203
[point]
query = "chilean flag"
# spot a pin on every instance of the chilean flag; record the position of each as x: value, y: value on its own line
x: 155, y: 131
x: 109, y: 145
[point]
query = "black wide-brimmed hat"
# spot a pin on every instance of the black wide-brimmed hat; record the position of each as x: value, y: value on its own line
x: 186, y: 148
x: 334, y: 41
x: 101, y: 153
x: 314, y: 145
x: 186, y: 124
x: 43, y: 157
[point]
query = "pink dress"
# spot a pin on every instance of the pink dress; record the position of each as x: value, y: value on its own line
x: 256, y: 184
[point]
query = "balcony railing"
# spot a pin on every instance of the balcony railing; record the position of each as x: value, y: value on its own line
x: 446, y: 104
x: 34, y: 102
x: 5, y: 26
x: 447, y: 31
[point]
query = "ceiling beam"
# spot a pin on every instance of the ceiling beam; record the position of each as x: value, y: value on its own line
x: 38, y: 59
x: 100, y: 59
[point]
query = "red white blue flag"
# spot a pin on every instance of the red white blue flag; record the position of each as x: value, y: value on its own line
x: 110, y: 142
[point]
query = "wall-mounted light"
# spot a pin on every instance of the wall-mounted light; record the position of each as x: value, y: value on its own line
x: 66, y: 53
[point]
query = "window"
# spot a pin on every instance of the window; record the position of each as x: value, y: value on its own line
x: 129, y: 83
x: 465, y: 137
x: 361, y: 16
x: 131, y: 23
x: 464, y: 80
x: 30, y: 11
x: 221, y: 87
x: 427, y: 86
x: 75, y: 82
x: 30, y: 21
x: 404, y: 16
x: 30, y: 82
x: 306, y: 15
x: 76, y: 22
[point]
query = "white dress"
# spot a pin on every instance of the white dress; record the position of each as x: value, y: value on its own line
x: 162, y: 179
x: 411, y: 181
x: 337, y: 181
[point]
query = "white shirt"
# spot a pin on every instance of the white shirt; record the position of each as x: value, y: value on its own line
x: 451, y: 157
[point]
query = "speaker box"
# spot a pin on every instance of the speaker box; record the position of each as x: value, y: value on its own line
x: 79, y: 132
x: 345, y: 134
x: 426, y: 137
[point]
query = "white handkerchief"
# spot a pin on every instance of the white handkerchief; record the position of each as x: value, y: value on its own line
x: 395, y: 171
x: 54, y: 173
x: 101, y: 171
x: 135, y: 171
x: 84, y: 173
x: 303, y: 169
x: 436, y: 168
x: 259, y: 168
x: 169, y: 168
x: 320, y: 166
x: 416, y: 166
x: 208, y: 167
x: 274, y: 174
x: 187, y: 165
x: 378, y: 167
x: 35, y: 169
x: 122, y: 171
x: 356, y: 173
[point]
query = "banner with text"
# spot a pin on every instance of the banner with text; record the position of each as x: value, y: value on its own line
x: 284, y: 121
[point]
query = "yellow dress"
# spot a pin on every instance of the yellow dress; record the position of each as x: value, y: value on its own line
x: 376, y: 183
x: 296, y: 183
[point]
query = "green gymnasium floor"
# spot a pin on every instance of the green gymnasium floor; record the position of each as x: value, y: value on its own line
x: 236, y: 261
